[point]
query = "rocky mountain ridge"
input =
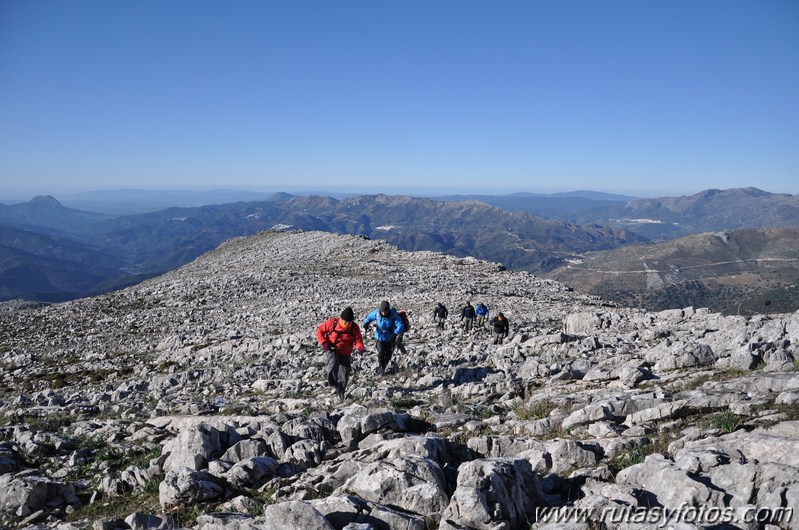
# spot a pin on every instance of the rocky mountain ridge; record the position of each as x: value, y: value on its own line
x: 197, y: 399
x: 526, y: 232
x: 152, y: 243
x: 664, y: 218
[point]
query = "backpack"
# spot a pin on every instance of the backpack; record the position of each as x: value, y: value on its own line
x: 405, y: 322
x: 337, y: 332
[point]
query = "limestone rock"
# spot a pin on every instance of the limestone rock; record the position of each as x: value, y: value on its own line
x: 493, y: 491
x: 188, y: 486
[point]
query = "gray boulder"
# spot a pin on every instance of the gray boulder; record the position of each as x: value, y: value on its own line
x: 344, y: 511
x: 23, y: 494
x: 188, y: 486
x: 147, y: 521
x: 581, y: 323
x: 356, y: 426
x: 494, y: 493
x: 252, y: 471
x: 569, y: 454
x: 669, y: 485
x: 193, y: 448
x: 244, y: 450
x: 677, y: 355
x: 230, y: 521
x: 590, y: 414
x: 411, y: 483
x: 294, y: 514
x: 534, y: 368
x: 304, y: 454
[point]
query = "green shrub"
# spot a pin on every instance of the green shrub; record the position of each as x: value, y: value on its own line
x: 726, y: 422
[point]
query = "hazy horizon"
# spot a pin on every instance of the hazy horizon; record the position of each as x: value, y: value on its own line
x: 636, y: 98
x: 8, y: 198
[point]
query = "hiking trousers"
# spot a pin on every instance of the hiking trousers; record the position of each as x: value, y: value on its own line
x: 498, y: 337
x: 467, y: 323
x: 338, y: 370
x: 400, y: 344
x: 384, y: 351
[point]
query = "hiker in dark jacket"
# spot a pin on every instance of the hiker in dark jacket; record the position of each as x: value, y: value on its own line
x: 338, y: 337
x: 388, y: 325
x: 501, y: 327
x: 467, y: 317
x: 440, y: 315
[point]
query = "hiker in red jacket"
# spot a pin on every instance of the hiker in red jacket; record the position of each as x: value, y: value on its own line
x: 338, y: 337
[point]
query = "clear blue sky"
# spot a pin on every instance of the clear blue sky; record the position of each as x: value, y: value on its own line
x: 648, y: 98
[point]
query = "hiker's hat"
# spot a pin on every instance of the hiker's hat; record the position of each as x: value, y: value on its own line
x: 347, y: 315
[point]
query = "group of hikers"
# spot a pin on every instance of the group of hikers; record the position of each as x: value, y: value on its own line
x: 474, y: 319
x: 341, y: 336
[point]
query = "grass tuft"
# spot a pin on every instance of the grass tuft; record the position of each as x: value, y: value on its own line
x: 534, y: 410
x: 726, y: 421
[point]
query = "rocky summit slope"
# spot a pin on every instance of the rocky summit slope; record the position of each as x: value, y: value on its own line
x: 198, y: 400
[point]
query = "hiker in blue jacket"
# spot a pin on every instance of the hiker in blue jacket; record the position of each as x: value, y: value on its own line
x: 482, y: 315
x: 388, y: 325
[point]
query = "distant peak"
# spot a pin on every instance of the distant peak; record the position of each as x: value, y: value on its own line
x: 280, y: 197
x: 45, y: 200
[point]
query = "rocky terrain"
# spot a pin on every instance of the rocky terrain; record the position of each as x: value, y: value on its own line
x: 198, y: 399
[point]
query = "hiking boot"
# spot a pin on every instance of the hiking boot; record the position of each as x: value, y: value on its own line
x: 340, y: 393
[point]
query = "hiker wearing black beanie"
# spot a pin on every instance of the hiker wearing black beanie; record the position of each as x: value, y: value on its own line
x: 388, y: 325
x: 338, y: 337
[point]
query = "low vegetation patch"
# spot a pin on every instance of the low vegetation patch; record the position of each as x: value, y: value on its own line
x: 534, y: 410
x: 790, y: 410
x: 143, y: 501
x: 726, y: 421
x: 658, y: 444
x: 405, y: 403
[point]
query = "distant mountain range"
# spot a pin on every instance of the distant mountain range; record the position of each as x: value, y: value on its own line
x: 55, y: 252
x: 44, y: 213
x: 662, y: 218
x: 156, y: 242
x: 743, y: 271
x: 118, y: 202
